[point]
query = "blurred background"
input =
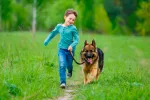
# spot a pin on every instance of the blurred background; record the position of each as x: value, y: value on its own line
x: 117, y: 17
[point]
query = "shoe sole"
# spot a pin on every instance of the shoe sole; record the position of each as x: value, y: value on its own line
x: 68, y: 77
x: 63, y: 87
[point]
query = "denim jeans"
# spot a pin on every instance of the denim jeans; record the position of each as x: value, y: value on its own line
x: 65, y: 62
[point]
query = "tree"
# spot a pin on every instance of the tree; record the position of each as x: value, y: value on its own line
x: 34, y: 17
x: 113, y: 10
x: 54, y: 12
x: 5, y: 13
x: 86, y: 10
x: 35, y: 5
x: 143, y: 23
x: 101, y: 20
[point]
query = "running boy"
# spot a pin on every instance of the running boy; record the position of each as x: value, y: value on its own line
x: 69, y: 38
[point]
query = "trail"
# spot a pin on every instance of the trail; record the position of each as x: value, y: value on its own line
x: 67, y: 95
x: 72, y: 85
x: 69, y: 92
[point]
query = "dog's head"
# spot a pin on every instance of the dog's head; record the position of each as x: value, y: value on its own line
x: 89, y: 52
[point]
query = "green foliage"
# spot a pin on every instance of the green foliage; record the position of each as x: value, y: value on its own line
x: 55, y: 12
x: 124, y: 9
x: 128, y: 7
x: 38, y: 2
x: 128, y: 13
x: 5, y: 9
x: 101, y: 16
x: 144, y: 19
x: 113, y: 10
x: 14, y: 16
x: 20, y: 17
x: 101, y: 20
x: 5, y: 13
x: 13, y: 89
x: 121, y: 28
x: 87, y: 14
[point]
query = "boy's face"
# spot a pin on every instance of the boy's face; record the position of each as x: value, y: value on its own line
x: 69, y: 19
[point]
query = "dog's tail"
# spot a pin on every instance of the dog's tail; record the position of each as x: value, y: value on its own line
x: 101, y: 59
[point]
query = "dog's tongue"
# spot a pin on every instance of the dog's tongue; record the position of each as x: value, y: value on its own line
x: 90, y: 60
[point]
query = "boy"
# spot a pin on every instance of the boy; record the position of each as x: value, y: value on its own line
x: 69, y: 38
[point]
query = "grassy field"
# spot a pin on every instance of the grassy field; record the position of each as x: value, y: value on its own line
x: 29, y: 70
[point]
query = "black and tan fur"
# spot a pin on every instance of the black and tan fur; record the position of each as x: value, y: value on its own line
x: 94, y: 60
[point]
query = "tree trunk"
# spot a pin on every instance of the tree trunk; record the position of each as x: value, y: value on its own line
x: 0, y: 18
x: 34, y: 17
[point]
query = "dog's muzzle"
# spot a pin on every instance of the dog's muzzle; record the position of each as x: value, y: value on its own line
x: 89, y: 58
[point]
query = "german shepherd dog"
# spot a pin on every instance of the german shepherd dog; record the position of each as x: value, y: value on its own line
x: 94, y: 61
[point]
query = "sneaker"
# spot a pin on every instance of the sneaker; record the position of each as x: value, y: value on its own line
x: 63, y: 85
x: 69, y: 75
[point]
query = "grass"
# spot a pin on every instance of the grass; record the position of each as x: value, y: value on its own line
x: 29, y: 70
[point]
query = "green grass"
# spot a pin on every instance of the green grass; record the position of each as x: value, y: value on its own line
x: 29, y: 70
x: 126, y: 74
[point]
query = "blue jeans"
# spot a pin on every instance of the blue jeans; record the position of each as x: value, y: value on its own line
x: 65, y: 62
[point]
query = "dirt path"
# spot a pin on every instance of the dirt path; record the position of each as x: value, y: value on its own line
x: 72, y: 85
x: 67, y: 96
x: 70, y: 90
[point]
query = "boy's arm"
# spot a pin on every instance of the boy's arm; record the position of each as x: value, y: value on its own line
x: 51, y: 35
x: 76, y: 38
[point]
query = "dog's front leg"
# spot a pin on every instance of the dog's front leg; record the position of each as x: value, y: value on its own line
x: 98, y: 73
x: 93, y: 74
x: 85, y: 78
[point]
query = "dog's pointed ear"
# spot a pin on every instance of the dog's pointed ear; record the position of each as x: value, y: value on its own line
x: 85, y: 43
x: 93, y: 43
x: 82, y: 50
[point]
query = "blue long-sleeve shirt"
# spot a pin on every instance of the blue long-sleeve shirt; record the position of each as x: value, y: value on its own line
x: 68, y: 36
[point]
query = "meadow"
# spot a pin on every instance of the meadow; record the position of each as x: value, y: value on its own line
x: 29, y: 70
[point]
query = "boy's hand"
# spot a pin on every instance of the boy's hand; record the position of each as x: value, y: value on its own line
x: 70, y: 48
x: 45, y: 43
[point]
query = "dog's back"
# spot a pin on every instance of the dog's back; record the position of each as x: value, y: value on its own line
x: 101, y: 58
